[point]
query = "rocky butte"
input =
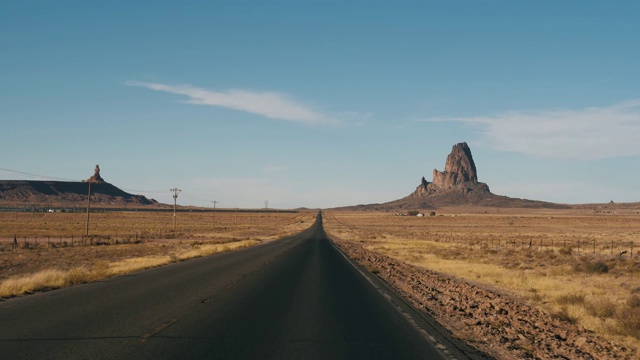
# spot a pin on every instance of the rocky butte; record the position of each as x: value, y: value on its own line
x: 457, y: 185
x: 459, y: 174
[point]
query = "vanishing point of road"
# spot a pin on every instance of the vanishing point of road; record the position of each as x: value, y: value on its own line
x: 294, y: 298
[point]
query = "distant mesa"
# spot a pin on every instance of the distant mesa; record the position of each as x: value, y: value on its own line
x: 68, y: 193
x: 457, y: 185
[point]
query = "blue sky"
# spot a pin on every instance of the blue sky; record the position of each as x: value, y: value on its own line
x: 322, y: 103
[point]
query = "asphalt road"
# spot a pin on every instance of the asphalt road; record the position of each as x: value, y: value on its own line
x: 295, y: 298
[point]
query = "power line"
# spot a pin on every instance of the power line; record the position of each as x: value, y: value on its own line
x: 44, y: 177
x: 53, y: 178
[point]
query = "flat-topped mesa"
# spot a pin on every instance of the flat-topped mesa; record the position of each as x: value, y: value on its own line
x: 458, y: 169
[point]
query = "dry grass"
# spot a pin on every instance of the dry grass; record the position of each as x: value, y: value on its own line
x: 145, y: 224
x: 55, y: 263
x: 54, y: 278
x: 531, y: 254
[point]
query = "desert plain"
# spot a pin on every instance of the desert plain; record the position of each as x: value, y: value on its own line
x: 555, y: 271
x: 42, y: 250
x: 536, y: 283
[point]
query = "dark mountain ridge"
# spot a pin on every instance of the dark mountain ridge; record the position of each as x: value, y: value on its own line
x: 40, y: 192
x: 68, y: 192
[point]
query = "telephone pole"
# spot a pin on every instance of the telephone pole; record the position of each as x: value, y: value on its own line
x: 88, y: 208
x: 175, y: 192
x: 213, y: 225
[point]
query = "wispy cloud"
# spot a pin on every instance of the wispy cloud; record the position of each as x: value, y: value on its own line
x: 591, y: 133
x: 272, y: 105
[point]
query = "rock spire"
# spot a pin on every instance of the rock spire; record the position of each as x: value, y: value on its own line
x: 459, y: 173
x: 96, y: 178
x: 458, y: 169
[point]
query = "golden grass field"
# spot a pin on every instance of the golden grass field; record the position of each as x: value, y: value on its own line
x: 52, y: 252
x: 532, y: 254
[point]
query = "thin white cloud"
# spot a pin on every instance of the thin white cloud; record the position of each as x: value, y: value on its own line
x: 591, y: 133
x: 268, y: 104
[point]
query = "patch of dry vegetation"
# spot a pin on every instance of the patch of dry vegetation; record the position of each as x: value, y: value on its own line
x: 142, y: 225
x: 38, y: 265
x: 54, y: 278
x: 571, y: 265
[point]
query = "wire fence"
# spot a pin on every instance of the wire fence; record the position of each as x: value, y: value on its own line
x: 618, y: 247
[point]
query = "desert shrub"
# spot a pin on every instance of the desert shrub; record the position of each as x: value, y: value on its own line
x: 413, y: 212
x: 598, y: 267
x: 570, y: 299
x: 633, y: 301
x: 629, y: 321
x: 601, y: 307
x: 565, y: 250
x: 564, y: 315
x: 625, y: 266
x: 594, y: 267
x: 536, y: 298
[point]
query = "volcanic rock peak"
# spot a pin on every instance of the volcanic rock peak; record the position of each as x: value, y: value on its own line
x: 459, y: 173
x: 458, y: 169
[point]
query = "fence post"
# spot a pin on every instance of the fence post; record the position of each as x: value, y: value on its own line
x: 594, y: 247
x: 578, y: 246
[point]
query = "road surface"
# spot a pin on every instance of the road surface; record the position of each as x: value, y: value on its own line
x: 295, y: 298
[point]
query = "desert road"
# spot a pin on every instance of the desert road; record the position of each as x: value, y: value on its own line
x: 294, y: 298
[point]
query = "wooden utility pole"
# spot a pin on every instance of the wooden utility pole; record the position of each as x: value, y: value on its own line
x: 175, y: 191
x: 88, y: 208
x: 213, y: 224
